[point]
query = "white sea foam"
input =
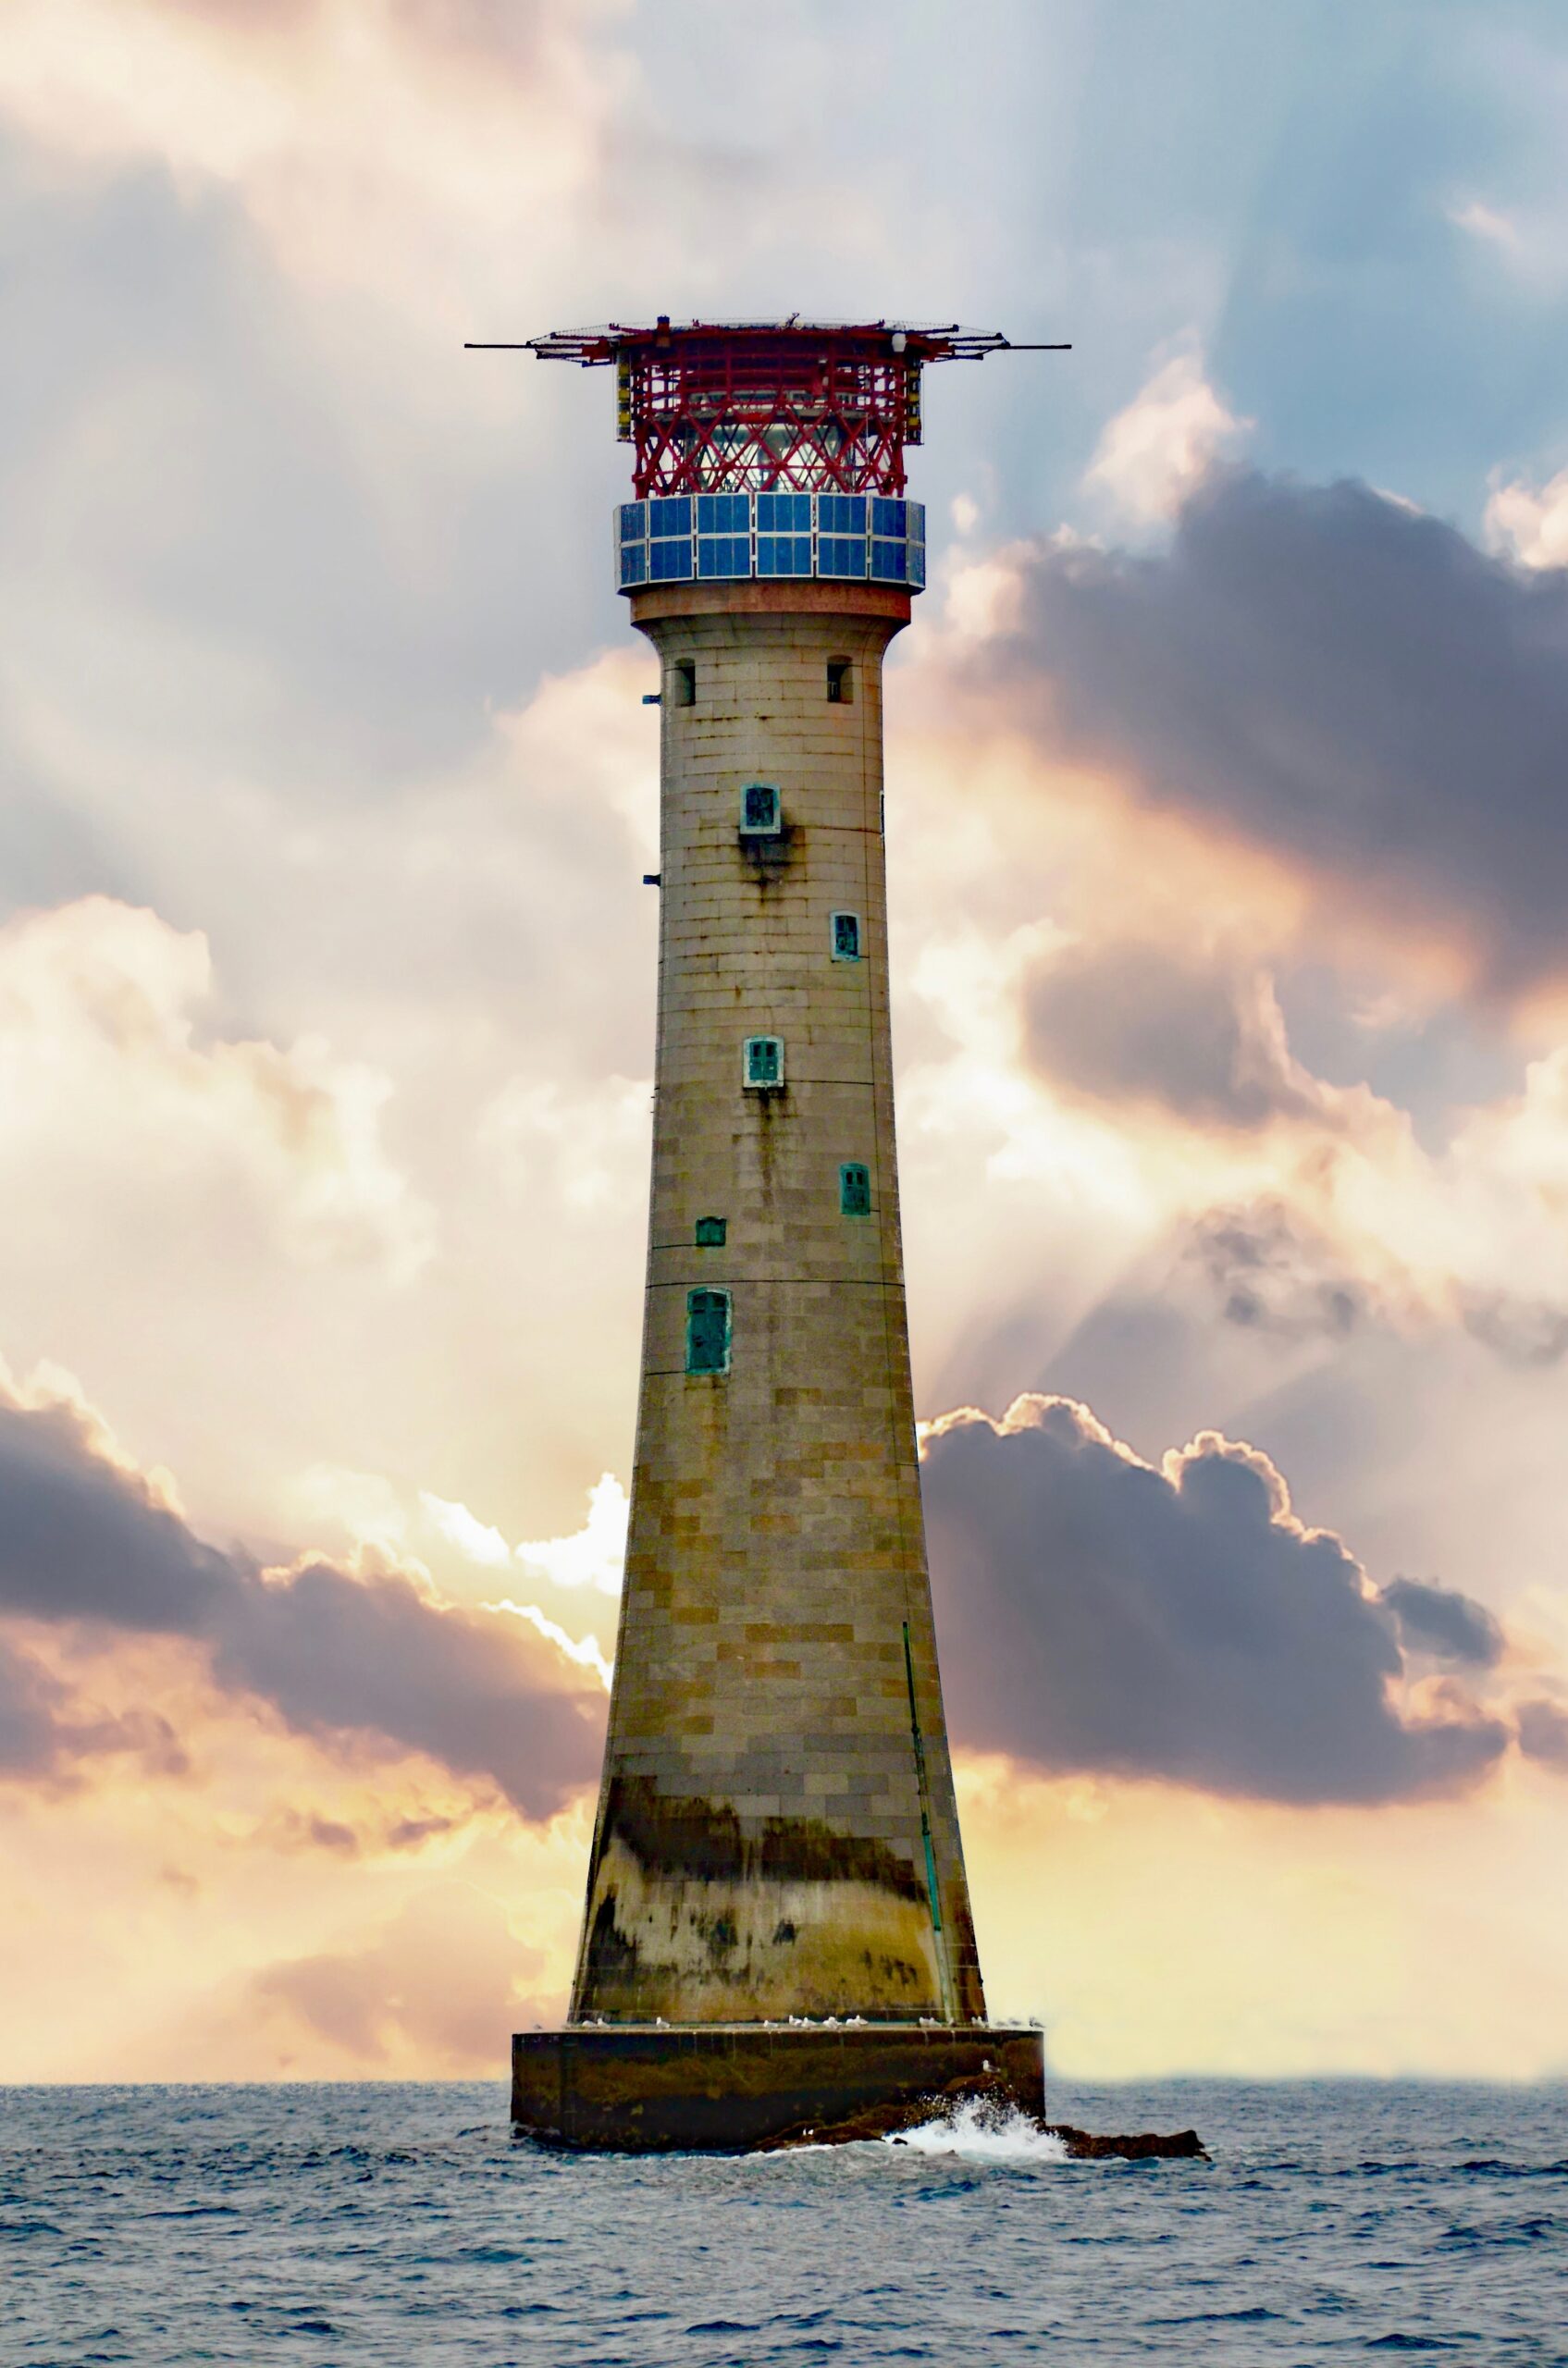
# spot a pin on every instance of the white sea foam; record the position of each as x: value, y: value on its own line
x: 979, y: 2132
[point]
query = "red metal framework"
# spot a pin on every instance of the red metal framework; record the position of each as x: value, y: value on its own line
x: 759, y: 406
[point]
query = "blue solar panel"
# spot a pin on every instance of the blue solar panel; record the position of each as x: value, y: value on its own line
x: 840, y: 555
x: 784, y: 554
x: 857, y: 536
x: 841, y: 513
x: 723, y: 513
x: 724, y: 555
x: 783, y: 513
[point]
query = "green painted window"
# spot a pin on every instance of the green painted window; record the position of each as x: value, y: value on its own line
x: 710, y: 1233
x: 761, y: 814
x: 764, y: 1064
x: 855, y: 1190
x: 846, y: 937
x: 708, y: 1331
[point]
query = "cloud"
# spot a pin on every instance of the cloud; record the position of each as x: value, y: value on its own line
x: 1325, y: 673
x: 1153, y: 454
x: 442, y: 1984
x: 1440, y: 1621
x: 1543, y: 1733
x: 1201, y: 1038
x: 46, y: 1731
x: 1530, y: 522
x: 1485, y: 222
x: 337, y: 1654
x: 117, y: 1091
x: 1102, y: 1615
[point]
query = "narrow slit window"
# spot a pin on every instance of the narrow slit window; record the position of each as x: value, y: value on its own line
x: 764, y: 1064
x: 855, y: 1190
x: 761, y: 812
x: 682, y: 682
x: 841, y: 682
x: 845, y: 935
x: 708, y: 1331
x: 711, y: 1232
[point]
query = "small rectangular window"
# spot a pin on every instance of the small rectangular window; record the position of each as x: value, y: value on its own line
x: 708, y: 1331
x: 711, y: 1232
x: 855, y: 1190
x: 841, y: 682
x: 761, y: 813
x: 845, y: 928
x: 681, y: 689
x: 764, y: 1064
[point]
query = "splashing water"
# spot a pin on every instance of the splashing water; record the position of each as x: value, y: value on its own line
x: 982, y: 2132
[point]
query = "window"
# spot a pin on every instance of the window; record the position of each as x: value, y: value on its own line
x: 855, y: 1190
x: 711, y: 1232
x: 762, y: 816
x: 708, y: 1331
x: 841, y: 682
x: 764, y: 1064
x: 681, y: 689
x: 889, y: 562
x: 845, y: 930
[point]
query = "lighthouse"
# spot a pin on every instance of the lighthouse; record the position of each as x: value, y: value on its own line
x: 777, y: 1931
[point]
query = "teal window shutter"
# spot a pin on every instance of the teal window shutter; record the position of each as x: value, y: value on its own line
x: 711, y: 1232
x: 855, y: 1190
x: 708, y: 1331
x: 763, y: 1068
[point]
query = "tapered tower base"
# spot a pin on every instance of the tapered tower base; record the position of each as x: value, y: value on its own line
x: 726, y: 2088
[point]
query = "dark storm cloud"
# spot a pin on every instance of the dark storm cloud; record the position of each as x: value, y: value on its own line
x: 1102, y: 1615
x: 1440, y: 1621
x: 1125, y: 1021
x: 332, y: 1654
x: 1337, y: 677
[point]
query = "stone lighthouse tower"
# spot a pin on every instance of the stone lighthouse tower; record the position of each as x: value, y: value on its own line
x: 777, y: 1931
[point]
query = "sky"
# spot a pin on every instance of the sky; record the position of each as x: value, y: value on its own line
x: 1228, y: 836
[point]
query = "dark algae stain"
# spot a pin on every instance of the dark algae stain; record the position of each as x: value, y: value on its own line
x: 704, y: 1841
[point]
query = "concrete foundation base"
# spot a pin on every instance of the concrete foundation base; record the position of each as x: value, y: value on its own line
x: 724, y: 2088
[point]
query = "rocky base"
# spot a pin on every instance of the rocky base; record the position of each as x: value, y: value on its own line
x: 731, y: 2088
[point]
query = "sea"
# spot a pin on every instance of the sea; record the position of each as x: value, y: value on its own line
x: 1335, y: 2222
